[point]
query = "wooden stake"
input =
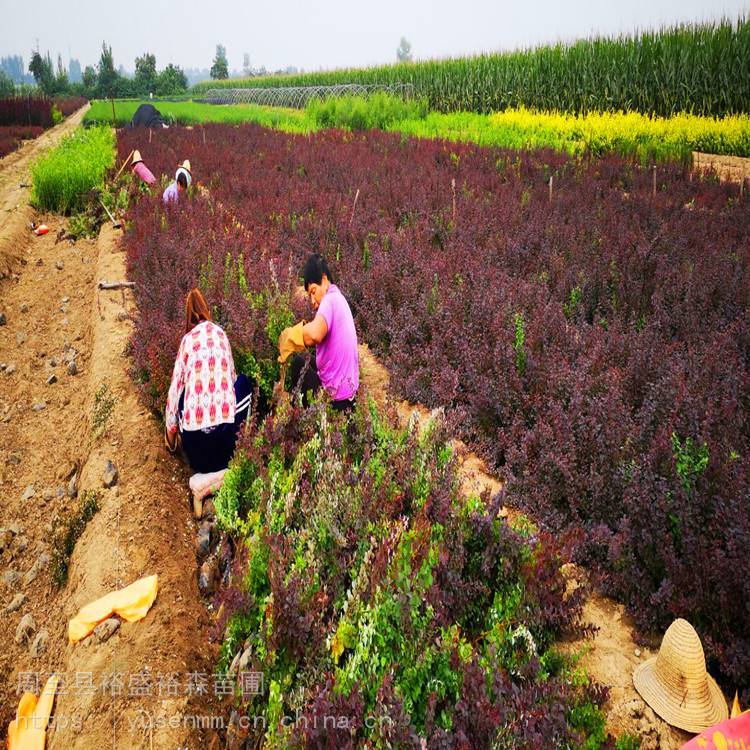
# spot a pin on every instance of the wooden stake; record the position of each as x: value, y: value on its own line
x: 203, y: 130
x: 354, y: 205
x: 116, y: 284
x: 114, y: 117
x: 149, y: 135
x: 453, y: 188
x: 653, y: 192
x: 550, y: 188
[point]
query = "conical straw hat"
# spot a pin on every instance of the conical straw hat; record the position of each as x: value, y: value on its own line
x: 186, y: 166
x: 136, y: 157
x: 676, y: 685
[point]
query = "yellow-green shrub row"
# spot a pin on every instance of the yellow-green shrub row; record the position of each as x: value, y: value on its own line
x: 629, y: 134
x: 63, y: 177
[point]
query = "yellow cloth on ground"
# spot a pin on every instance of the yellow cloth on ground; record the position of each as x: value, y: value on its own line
x: 28, y: 731
x: 291, y: 340
x: 132, y: 604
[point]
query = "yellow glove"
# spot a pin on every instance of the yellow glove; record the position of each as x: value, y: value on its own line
x: 291, y: 340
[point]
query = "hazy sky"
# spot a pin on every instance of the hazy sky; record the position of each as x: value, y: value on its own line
x: 314, y: 34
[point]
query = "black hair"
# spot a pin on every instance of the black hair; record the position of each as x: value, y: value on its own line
x: 315, y: 267
x: 182, y: 179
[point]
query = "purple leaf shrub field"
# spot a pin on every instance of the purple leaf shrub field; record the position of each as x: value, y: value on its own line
x: 590, y: 340
x: 12, y: 135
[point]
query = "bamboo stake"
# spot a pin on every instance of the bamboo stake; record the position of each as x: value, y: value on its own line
x: 654, y: 183
x: 116, y: 284
x: 550, y: 188
x: 453, y: 189
x: 149, y: 135
x: 119, y: 171
x: 203, y: 130
x: 354, y: 205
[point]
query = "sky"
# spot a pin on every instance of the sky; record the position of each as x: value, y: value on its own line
x: 323, y: 34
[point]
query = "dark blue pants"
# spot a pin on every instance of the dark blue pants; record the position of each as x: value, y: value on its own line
x: 211, y: 450
x: 304, y: 373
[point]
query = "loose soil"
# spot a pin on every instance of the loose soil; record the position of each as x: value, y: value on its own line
x: 611, y: 654
x: 15, y: 180
x: 54, y: 313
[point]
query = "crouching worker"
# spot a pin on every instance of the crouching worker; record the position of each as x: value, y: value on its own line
x: 335, y: 366
x: 140, y: 170
x: 206, y: 405
x: 182, y: 180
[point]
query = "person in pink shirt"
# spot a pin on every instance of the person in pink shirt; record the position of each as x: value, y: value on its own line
x: 141, y: 170
x: 335, y: 365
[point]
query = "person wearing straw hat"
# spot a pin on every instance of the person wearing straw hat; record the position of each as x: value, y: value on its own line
x: 676, y: 685
x: 182, y: 180
x: 141, y: 170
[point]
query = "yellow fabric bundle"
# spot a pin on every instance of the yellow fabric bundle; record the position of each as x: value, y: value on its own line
x: 28, y: 731
x: 132, y: 604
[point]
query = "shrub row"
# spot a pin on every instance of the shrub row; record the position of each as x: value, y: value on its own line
x: 37, y: 110
x: 592, y: 344
x: 12, y: 135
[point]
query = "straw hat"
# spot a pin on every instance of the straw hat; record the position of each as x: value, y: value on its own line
x: 186, y: 166
x: 676, y: 685
x: 136, y: 157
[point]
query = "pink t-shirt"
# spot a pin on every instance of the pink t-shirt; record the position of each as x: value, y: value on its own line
x: 337, y: 356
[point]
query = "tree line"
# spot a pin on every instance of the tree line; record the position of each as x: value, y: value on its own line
x: 94, y: 82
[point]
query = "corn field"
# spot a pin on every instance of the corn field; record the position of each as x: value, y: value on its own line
x: 703, y: 69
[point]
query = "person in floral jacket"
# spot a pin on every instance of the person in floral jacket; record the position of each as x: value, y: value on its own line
x: 207, y: 403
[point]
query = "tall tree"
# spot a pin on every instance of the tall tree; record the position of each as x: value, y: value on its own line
x: 171, y: 81
x: 106, y: 78
x: 89, y: 80
x: 44, y: 75
x: 220, y: 67
x: 145, y: 74
x: 61, y: 80
x: 403, y: 53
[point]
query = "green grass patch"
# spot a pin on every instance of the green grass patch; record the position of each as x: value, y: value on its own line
x: 63, y: 178
x: 196, y: 113
x: 359, y: 113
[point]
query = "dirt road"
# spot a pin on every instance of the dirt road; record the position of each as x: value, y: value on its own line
x: 150, y: 684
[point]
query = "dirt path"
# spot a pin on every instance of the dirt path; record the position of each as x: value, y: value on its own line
x: 611, y: 655
x: 153, y: 678
x: 15, y: 212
